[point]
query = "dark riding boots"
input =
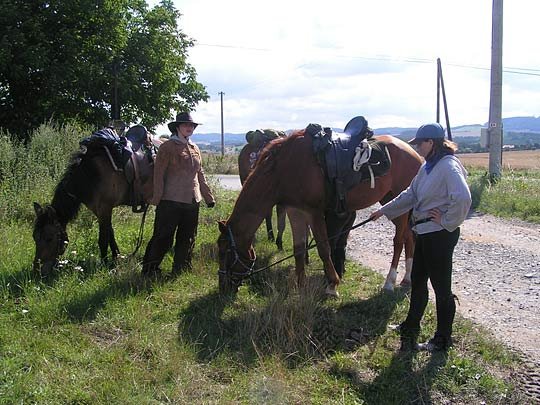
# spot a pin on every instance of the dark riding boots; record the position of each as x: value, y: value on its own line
x: 172, y: 217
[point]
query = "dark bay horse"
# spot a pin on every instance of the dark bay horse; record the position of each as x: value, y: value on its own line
x: 89, y: 179
x: 288, y: 173
x: 246, y: 162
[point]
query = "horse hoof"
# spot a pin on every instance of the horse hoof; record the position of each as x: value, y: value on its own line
x: 331, y: 292
x: 405, y: 283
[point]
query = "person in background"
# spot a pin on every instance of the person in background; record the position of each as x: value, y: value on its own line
x: 179, y: 187
x: 440, y: 199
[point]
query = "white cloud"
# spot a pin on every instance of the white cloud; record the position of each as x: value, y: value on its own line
x: 284, y: 63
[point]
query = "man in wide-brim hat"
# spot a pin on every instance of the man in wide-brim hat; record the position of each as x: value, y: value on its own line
x: 183, y: 117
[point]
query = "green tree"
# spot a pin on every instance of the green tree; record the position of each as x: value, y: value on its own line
x: 66, y: 60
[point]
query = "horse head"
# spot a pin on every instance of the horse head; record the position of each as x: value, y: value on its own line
x: 50, y: 237
x: 234, y: 264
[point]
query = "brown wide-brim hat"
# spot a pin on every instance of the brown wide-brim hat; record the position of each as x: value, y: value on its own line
x: 180, y: 118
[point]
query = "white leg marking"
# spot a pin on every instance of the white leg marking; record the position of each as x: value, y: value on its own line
x: 331, y: 290
x: 407, y: 277
x: 390, y: 279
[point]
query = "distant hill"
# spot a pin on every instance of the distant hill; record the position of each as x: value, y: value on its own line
x: 392, y: 130
x: 522, y: 125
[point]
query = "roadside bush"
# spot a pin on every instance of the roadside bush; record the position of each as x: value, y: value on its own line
x: 30, y: 172
x: 214, y: 163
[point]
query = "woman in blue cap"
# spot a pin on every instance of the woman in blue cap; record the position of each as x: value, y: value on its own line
x: 440, y: 199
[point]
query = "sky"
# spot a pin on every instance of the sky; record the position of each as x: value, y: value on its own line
x: 286, y: 63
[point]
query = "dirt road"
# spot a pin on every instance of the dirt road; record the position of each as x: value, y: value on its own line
x: 496, y: 273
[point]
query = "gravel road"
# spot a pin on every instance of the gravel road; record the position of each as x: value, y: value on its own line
x: 496, y: 277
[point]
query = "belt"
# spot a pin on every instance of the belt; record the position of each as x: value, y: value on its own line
x: 422, y: 221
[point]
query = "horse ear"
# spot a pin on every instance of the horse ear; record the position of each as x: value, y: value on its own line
x: 222, y: 226
x: 37, y: 208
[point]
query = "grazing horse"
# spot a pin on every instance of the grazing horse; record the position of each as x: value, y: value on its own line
x: 90, y: 179
x: 289, y: 173
x: 246, y: 162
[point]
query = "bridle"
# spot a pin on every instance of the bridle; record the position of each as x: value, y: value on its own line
x: 235, y: 276
x: 61, y: 237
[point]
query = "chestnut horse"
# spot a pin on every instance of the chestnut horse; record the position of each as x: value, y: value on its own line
x: 288, y: 173
x: 246, y: 162
x: 89, y: 179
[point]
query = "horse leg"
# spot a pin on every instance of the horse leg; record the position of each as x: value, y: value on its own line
x: 281, y: 213
x: 298, y: 226
x: 409, y: 253
x: 333, y: 229
x: 401, y: 224
x: 269, y: 230
x: 115, y: 251
x: 308, y: 232
x: 318, y: 227
x: 105, y: 229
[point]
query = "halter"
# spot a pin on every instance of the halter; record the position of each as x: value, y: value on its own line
x: 234, y: 276
x: 61, y: 237
x: 237, y: 277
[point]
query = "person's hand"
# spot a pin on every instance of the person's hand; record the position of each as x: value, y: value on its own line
x: 375, y: 215
x: 211, y: 204
x: 436, y: 215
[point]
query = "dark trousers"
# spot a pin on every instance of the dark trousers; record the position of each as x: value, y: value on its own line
x: 432, y: 260
x: 172, y: 217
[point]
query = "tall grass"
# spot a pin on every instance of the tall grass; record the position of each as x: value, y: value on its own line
x: 515, y: 195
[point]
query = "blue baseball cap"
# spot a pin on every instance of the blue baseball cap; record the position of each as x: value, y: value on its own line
x: 428, y: 131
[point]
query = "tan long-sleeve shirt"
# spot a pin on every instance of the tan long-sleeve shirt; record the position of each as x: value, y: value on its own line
x: 178, y: 173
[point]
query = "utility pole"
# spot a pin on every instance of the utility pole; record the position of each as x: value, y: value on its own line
x: 222, y: 134
x: 495, y: 132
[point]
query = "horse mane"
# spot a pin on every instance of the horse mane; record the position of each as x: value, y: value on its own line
x: 76, y: 186
x: 266, y: 160
x: 273, y: 148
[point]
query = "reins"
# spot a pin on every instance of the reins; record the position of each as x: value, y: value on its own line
x: 141, y: 231
x: 252, y: 271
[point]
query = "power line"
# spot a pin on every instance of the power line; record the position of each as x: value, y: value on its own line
x: 394, y: 59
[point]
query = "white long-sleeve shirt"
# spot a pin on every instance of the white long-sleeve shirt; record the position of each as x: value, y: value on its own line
x: 445, y: 188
